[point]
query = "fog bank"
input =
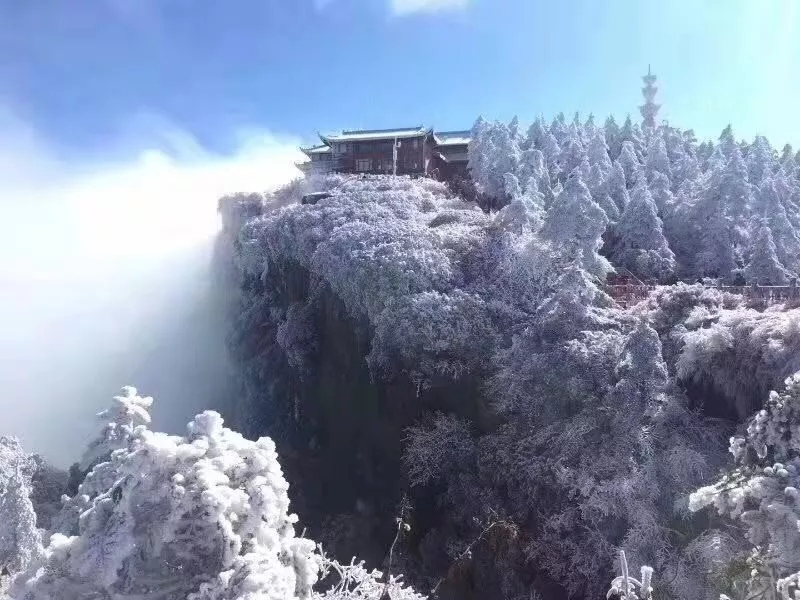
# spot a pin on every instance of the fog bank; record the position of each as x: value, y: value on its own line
x: 104, y: 269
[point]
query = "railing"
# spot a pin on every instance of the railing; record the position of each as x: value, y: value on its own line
x: 626, y: 295
x: 772, y: 294
x: 629, y: 294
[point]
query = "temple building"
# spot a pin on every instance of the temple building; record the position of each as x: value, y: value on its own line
x: 415, y: 151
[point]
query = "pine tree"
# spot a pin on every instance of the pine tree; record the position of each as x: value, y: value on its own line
x: 764, y: 267
x: 576, y: 223
x: 641, y: 246
x: 629, y: 133
x: 597, y: 152
x: 20, y: 540
x: 662, y: 195
x: 617, y: 187
x: 513, y: 127
x: 559, y: 128
x: 551, y: 151
x: 630, y: 164
x: 727, y: 142
x: 737, y: 195
x: 536, y: 134
x: 597, y: 182
x: 589, y: 127
x: 657, y: 160
x: 128, y: 411
x: 613, y: 137
x: 572, y: 153
x: 788, y: 164
x: 772, y: 205
x: 717, y: 251
x: 761, y: 160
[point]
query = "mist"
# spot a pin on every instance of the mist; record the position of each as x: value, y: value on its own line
x: 104, y: 271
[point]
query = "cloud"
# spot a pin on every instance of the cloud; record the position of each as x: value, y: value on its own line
x: 104, y: 272
x: 407, y: 7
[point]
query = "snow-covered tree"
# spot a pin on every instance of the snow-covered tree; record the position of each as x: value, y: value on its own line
x: 20, y: 540
x: 536, y: 134
x: 613, y: 137
x: 787, y: 162
x: 662, y: 195
x: 727, y: 141
x: 493, y: 153
x: 762, y: 491
x: 761, y: 160
x: 617, y: 187
x: 641, y: 246
x: 737, y: 196
x: 657, y: 160
x: 128, y: 411
x: 764, y: 267
x: 630, y: 132
x: 597, y: 182
x: 181, y: 515
x: 717, y: 256
x: 576, y: 224
x: 572, y: 153
x: 597, y: 152
x: 772, y: 200
x: 630, y: 164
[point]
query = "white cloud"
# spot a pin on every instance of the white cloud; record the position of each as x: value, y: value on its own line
x: 406, y: 7
x: 104, y: 275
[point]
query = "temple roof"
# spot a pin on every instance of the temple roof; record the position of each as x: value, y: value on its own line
x: 452, y: 138
x: 375, y: 134
x: 316, y: 150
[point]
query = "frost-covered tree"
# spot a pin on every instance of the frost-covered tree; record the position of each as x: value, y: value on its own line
x: 613, y: 137
x: 630, y: 164
x: 526, y: 209
x: 202, y: 517
x: 617, y: 186
x: 20, y: 540
x: 717, y: 255
x: 764, y: 267
x: 128, y: 411
x: 727, y: 141
x: 641, y: 246
x: 559, y: 128
x: 597, y: 182
x: 662, y: 195
x: 181, y: 516
x: 761, y: 160
x: 772, y: 201
x: 737, y: 196
x: 762, y: 491
x: 597, y: 152
x: 576, y: 224
x: 657, y: 160
x: 630, y: 132
x: 787, y: 162
x: 536, y: 134
x: 494, y: 152
x: 572, y: 154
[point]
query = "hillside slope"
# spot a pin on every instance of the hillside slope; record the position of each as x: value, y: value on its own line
x: 413, y: 355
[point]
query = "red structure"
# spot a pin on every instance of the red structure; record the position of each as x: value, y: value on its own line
x: 416, y: 151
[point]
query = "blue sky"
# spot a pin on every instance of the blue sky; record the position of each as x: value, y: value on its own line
x: 83, y: 72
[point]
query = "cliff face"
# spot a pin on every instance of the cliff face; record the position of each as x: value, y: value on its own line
x: 414, y: 356
x: 353, y: 321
